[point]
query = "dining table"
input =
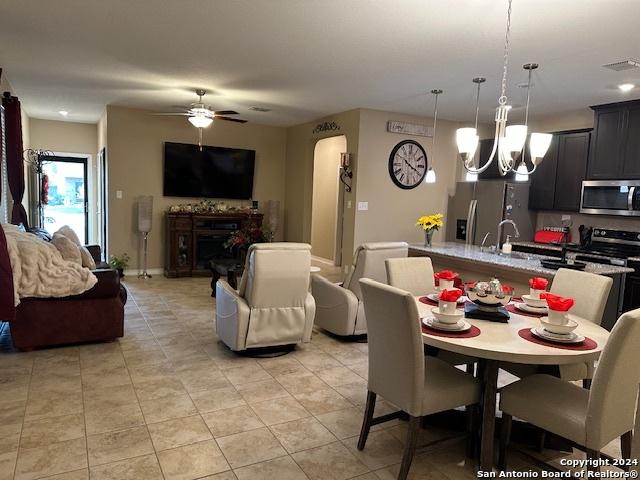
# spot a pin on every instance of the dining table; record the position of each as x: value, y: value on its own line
x: 502, y: 342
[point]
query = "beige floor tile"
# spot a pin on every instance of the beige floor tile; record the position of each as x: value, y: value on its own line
x: 250, y: 447
x: 166, y: 408
x: 51, y: 430
x: 421, y: 469
x: 192, y: 461
x: 283, y: 468
x: 356, y: 392
x: 113, y: 446
x: 139, y: 468
x: 8, y: 464
x: 282, y: 365
x: 381, y: 450
x: 47, y: 407
x: 338, y: 376
x: 12, y: 412
x: 323, y: 401
x: 279, y: 410
x: 178, y: 432
x: 203, y: 379
x: 342, y: 423
x: 232, y: 420
x: 116, y: 418
x: 222, y: 476
x: 246, y: 374
x: 296, y: 383
x: 119, y: 376
x: 329, y: 462
x: 218, y: 399
x: 106, y: 398
x: 260, y: 391
x: 82, y: 474
x: 10, y: 436
x: 164, y: 387
x: 302, y: 434
x: 52, y: 459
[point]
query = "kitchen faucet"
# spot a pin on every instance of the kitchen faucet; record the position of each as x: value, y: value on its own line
x: 499, y: 234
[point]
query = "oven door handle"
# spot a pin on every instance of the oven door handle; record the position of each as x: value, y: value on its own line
x: 632, y: 193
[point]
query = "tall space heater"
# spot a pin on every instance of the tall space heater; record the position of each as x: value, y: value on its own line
x: 145, y: 211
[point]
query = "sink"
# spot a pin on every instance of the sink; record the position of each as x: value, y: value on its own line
x: 518, y: 255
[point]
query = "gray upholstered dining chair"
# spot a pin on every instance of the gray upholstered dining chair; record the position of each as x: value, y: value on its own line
x: 339, y: 308
x: 411, y: 274
x: 589, y: 418
x: 400, y: 372
x: 590, y: 292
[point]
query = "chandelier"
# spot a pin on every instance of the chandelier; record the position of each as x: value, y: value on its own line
x: 509, y: 141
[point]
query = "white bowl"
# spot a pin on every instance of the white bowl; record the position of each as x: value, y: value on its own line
x: 534, y: 302
x: 449, y: 318
x: 565, y: 329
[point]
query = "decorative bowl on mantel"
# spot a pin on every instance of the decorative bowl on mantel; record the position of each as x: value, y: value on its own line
x: 489, y: 296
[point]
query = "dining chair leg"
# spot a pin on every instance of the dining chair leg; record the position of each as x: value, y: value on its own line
x: 542, y: 438
x: 473, y: 413
x: 366, y: 421
x: 410, y: 447
x: 592, y: 457
x: 625, y: 446
x: 505, y: 436
x: 470, y: 368
x: 489, y: 394
x: 586, y: 383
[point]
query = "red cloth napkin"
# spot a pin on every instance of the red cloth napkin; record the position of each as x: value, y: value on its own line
x: 538, y: 283
x: 446, y: 275
x: 450, y: 295
x: 558, y: 303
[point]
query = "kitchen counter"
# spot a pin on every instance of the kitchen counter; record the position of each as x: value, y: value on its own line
x: 539, y: 246
x: 527, y: 263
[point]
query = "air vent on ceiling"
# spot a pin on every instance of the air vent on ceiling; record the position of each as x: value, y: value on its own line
x: 623, y: 65
x: 260, y: 109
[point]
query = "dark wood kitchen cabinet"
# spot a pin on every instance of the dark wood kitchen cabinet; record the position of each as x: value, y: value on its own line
x: 615, y: 144
x: 492, y: 172
x: 557, y: 182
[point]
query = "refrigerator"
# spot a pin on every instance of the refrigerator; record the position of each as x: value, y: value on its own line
x: 476, y: 208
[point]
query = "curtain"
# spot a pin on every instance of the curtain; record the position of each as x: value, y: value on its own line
x: 7, y: 308
x: 15, y: 165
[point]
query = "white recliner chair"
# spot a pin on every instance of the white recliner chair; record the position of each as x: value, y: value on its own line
x: 272, y: 305
x: 339, y: 307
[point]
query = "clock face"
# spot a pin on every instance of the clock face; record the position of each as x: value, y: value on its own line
x: 408, y: 164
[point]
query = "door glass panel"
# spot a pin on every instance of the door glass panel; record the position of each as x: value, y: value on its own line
x: 610, y: 198
x: 64, y: 203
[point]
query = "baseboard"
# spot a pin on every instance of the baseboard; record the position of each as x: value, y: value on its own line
x: 135, y: 272
x: 325, y: 261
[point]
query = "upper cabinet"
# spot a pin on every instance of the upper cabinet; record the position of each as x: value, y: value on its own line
x: 615, y: 143
x: 557, y: 182
x: 492, y: 172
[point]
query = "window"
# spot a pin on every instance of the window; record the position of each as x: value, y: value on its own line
x: 6, y: 196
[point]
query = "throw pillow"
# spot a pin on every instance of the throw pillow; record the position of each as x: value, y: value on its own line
x: 68, y: 232
x: 87, y: 259
x: 69, y: 250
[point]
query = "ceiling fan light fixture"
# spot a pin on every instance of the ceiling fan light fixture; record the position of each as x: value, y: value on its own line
x: 200, y: 121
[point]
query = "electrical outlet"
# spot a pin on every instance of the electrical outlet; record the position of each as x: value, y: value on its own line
x: 362, y: 206
x: 348, y: 203
x: 119, y: 194
x: 566, y: 218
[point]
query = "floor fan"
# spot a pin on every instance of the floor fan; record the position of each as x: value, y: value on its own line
x: 145, y: 211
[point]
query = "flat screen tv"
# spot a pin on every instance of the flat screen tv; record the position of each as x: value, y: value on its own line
x: 213, y: 172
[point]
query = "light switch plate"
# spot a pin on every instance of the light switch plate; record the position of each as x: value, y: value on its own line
x: 363, y: 206
x: 348, y: 203
x: 119, y: 194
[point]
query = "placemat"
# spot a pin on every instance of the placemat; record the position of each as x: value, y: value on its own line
x: 472, y: 332
x: 427, y: 301
x: 588, y: 343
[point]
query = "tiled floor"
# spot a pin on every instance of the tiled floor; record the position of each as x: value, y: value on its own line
x: 169, y: 401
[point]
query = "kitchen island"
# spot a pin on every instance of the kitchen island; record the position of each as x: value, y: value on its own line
x: 515, y: 269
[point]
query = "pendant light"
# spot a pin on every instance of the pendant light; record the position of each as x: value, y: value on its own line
x: 508, y: 140
x: 430, y: 177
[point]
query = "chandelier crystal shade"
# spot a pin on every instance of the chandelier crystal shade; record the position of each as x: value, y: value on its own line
x: 509, y: 141
x: 200, y: 121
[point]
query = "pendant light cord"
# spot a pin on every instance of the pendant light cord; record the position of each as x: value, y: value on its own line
x: 503, y: 97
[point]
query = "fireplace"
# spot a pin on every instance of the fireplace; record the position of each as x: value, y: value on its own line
x: 210, y: 246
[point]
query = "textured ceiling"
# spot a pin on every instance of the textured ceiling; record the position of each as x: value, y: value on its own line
x: 308, y: 58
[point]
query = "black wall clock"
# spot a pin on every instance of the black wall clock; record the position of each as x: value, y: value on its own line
x: 407, y: 164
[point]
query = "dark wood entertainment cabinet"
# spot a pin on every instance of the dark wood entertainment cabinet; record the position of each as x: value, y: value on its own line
x: 193, y: 239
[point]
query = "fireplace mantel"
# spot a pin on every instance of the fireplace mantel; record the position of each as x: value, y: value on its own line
x: 192, y: 239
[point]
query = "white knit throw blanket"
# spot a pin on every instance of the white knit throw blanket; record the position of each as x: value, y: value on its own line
x: 40, y: 271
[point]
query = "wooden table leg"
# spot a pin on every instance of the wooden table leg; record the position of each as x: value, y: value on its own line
x: 489, y: 394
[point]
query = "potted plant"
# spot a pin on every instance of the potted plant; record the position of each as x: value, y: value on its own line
x: 119, y: 263
x: 240, y: 240
x: 430, y: 224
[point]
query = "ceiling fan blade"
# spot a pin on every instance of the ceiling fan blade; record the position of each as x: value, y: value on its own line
x: 177, y: 113
x: 226, y: 112
x: 229, y: 119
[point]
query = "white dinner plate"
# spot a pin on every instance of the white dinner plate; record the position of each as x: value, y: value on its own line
x: 554, y: 337
x: 434, y: 298
x: 529, y: 309
x: 461, y: 326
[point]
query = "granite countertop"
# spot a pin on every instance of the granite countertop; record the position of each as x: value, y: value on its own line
x: 557, y: 248
x: 524, y: 262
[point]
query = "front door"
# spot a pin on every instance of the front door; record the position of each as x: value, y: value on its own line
x: 65, y: 197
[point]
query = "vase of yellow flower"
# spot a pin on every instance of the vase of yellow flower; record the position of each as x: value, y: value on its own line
x: 430, y: 224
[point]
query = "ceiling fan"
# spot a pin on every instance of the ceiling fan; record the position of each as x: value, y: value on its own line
x: 202, y: 116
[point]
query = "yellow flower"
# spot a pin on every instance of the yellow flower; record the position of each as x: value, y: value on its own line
x: 431, y: 222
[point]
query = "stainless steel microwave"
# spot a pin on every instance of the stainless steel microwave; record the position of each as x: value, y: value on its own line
x: 611, y: 197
